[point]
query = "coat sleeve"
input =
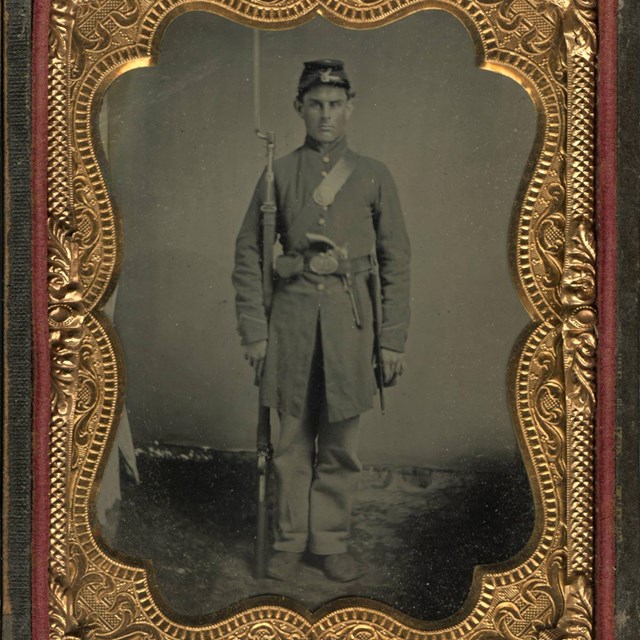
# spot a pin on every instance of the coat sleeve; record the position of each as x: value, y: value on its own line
x: 393, y: 253
x: 247, y: 274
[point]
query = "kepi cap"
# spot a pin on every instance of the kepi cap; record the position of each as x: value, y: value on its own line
x: 323, y: 72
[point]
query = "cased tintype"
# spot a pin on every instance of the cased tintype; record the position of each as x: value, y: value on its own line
x: 150, y: 196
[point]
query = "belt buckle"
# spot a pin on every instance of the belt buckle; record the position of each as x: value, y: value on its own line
x: 323, y: 264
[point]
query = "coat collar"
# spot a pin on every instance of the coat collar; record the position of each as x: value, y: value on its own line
x: 336, y: 148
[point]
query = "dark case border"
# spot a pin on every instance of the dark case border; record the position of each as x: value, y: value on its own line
x: 17, y: 319
x: 627, y: 467
x: 619, y: 295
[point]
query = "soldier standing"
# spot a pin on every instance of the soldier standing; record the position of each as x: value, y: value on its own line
x: 338, y: 220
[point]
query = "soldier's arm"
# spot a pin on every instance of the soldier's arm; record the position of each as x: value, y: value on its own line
x: 247, y: 275
x: 393, y: 251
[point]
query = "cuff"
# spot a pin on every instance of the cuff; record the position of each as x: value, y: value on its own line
x: 394, y: 337
x: 252, y: 329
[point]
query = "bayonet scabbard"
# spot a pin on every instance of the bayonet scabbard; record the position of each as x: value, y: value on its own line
x: 375, y: 291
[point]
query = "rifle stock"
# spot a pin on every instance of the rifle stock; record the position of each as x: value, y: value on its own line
x: 264, y: 450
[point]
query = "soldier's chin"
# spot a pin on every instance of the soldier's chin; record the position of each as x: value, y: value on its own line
x: 326, y: 136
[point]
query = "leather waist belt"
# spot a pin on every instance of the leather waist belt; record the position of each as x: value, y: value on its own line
x: 293, y: 265
x: 324, y: 264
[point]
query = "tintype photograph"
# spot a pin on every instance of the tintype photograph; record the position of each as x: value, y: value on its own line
x: 319, y: 314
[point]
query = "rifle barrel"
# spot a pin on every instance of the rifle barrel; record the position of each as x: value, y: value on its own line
x: 256, y: 81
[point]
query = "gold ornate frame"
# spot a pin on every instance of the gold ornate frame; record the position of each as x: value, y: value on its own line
x: 545, y: 592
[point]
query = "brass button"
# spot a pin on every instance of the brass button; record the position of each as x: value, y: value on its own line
x: 326, y: 159
x: 320, y: 286
x: 324, y: 174
x: 322, y: 221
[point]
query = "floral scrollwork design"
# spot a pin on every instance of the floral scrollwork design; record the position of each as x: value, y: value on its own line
x: 88, y: 226
x: 578, y: 19
x: 580, y: 354
x: 268, y: 630
x: 66, y: 311
x: 355, y: 630
x: 363, y: 632
x: 102, y: 602
x: 87, y: 403
x: 567, y: 615
x: 138, y: 632
x: 580, y: 270
x: 99, y: 36
x: 62, y: 19
x: 530, y: 39
x: 574, y: 623
x: 549, y: 238
x: 65, y: 623
x: 548, y: 401
x: 71, y: 622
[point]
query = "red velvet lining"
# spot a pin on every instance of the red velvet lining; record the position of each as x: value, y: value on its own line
x: 41, y: 378
x: 606, y: 200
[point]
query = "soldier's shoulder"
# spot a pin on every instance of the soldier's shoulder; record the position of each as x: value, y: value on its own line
x: 373, y: 165
x: 287, y: 161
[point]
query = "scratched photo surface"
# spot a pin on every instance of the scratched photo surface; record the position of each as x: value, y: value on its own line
x: 443, y: 487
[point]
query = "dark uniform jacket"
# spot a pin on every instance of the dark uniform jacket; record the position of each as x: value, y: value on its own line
x: 366, y: 217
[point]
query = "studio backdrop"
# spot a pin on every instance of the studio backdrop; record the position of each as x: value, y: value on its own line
x: 183, y: 161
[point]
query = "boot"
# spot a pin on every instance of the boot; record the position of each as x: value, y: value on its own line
x: 284, y: 565
x: 342, y: 567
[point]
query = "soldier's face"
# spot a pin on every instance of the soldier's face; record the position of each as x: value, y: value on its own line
x: 325, y: 111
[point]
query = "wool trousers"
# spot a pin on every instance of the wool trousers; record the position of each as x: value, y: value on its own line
x: 317, y: 470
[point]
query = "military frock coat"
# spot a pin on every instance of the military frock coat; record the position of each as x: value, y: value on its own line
x: 365, y: 217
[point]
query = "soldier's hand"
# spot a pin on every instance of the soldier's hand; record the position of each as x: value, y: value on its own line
x: 392, y: 365
x: 255, y: 354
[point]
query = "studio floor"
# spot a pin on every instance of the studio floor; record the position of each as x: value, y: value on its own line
x: 420, y: 532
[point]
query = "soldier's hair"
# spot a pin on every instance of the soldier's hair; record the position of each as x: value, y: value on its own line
x: 351, y: 94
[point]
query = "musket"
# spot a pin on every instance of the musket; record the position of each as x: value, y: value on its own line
x: 268, y: 211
